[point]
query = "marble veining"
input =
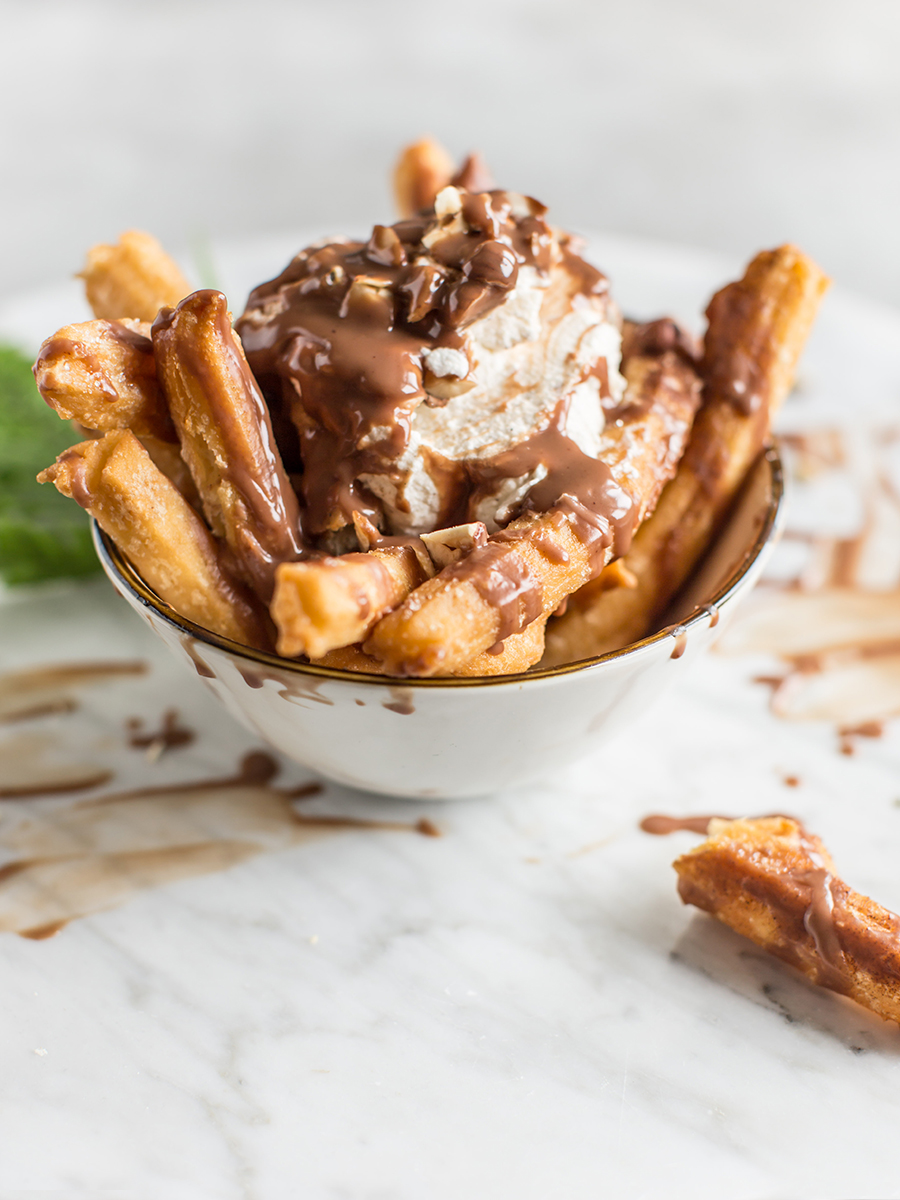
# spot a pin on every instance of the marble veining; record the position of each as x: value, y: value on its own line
x: 519, y: 1008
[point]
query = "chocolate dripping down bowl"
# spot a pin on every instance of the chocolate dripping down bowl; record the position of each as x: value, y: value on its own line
x: 446, y: 738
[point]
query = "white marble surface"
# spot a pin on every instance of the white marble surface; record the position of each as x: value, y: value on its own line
x: 728, y: 125
x: 521, y: 1008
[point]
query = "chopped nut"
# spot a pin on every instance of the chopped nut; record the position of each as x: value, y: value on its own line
x: 447, y: 545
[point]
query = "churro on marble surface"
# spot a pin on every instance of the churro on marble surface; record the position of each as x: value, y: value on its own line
x: 772, y: 881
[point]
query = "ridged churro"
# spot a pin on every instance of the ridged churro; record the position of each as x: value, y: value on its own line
x: 328, y: 603
x: 757, y: 329
x: 775, y: 883
x: 114, y: 479
x: 102, y: 374
x: 226, y: 437
x: 132, y: 278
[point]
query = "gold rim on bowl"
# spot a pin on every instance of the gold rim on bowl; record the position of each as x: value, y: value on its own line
x: 116, y: 562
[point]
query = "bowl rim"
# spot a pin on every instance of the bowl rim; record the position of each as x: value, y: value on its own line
x: 116, y: 564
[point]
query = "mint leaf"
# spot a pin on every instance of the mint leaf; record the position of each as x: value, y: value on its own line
x: 43, y: 535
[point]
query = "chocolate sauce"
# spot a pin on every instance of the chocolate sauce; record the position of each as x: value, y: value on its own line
x: 40, y: 933
x: 661, y: 825
x: 713, y: 614
x: 505, y: 581
x: 202, y: 669
x: 867, y: 729
x: 42, y: 691
x: 741, y: 373
x: 661, y: 336
x: 680, y: 635
x: 400, y: 702
x: 265, y: 529
x: 55, y: 787
x: 337, y: 341
x: 591, y: 281
x: 819, y: 923
x: 256, y: 769
x: 292, y: 686
x: 96, y: 854
x: 170, y: 735
x: 582, y: 489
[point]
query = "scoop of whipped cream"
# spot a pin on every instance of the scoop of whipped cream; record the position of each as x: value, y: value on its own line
x: 412, y: 367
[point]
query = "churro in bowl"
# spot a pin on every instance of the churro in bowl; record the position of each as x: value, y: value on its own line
x: 435, y: 456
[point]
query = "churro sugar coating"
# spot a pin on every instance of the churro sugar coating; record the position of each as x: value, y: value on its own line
x: 133, y: 277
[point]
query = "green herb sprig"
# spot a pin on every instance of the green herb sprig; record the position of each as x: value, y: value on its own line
x: 43, y: 535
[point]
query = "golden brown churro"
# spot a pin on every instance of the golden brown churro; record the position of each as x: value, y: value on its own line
x: 134, y: 278
x: 114, y: 479
x: 774, y: 883
x: 226, y: 437
x: 103, y: 375
x: 322, y: 605
x: 421, y: 171
x: 516, y: 654
x: 757, y: 329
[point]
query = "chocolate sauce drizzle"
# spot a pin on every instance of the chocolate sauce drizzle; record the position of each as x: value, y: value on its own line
x: 338, y: 342
x: 809, y: 899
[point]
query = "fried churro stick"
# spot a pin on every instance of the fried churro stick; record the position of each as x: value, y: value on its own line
x: 134, y: 278
x: 102, y: 374
x: 757, y: 329
x: 774, y: 883
x: 167, y: 456
x: 524, y: 573
x: 226, y: 437
x: 421, y: 171
x: 114, y: 479
x: 519, y: 652
x: 333, y: 602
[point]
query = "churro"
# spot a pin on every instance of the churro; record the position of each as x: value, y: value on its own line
x: 102, y: 374
x: 775, y: 883
x: 226, y: 437
x: 114, y: 479
x: 328, y: 603
x: 757, y: 329
x: 133, y: 278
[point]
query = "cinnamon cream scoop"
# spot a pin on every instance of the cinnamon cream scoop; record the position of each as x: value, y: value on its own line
x: 403, y: 371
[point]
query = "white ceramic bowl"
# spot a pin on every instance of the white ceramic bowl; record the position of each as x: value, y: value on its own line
x: 440, y: 738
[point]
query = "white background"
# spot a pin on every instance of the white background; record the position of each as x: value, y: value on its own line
x: 706, y: 122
